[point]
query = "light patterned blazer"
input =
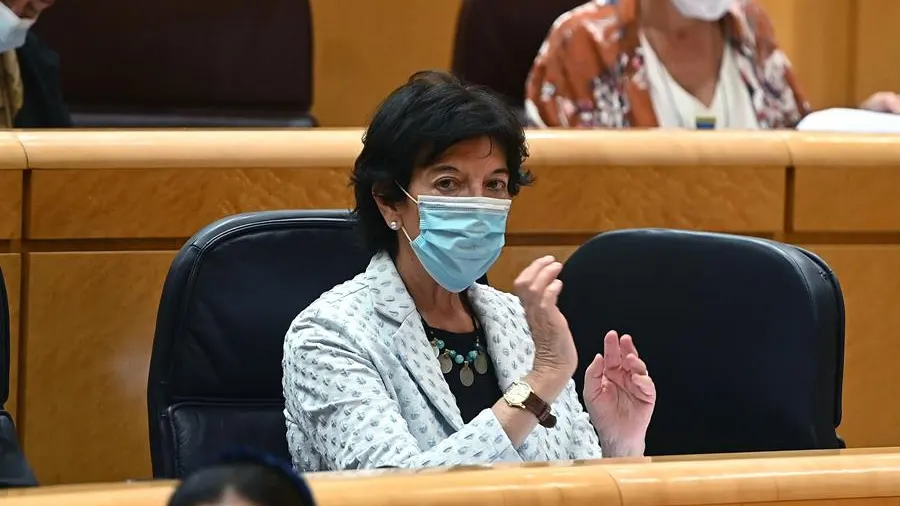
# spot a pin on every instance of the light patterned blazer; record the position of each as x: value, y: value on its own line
x: 364, y: 390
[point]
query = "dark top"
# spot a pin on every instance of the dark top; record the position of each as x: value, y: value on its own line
x: 485, y: 390
x: 43, y: 105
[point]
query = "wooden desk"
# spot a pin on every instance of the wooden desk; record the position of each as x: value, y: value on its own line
x: 104, y: 212
x: 850, y: 478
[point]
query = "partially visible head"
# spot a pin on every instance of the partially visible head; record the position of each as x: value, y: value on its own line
x: 435, y: 135
x: 16, y: 18
x: 243, y: 481
x: 28, y: 9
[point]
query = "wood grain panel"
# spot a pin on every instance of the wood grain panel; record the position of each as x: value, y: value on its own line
x: 846, y: 478
x: 90, y: 329
x: 131, y: 494
x: 770, y: 480
x: 807, y: 29
x: 11, y: 266
x: 736, y: 183
x: 10, y: 204
x: 204, y: 149
x: 316, y: 148
x: 148, y: 203
x: 12, y: 155
x: 515, y: 259
x: 365, y: 49
x: 848, y: 199
x: 846, y: 183
x: 876, y: 47
x: 870, y: 280
x: 732, y: 199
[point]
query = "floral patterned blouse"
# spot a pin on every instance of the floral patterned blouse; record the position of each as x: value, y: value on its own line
x: 590, y: 71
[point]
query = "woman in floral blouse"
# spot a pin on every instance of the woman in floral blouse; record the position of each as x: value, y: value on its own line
x: 672, y: 63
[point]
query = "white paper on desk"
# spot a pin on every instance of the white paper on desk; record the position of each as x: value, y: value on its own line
x: 850, y: 121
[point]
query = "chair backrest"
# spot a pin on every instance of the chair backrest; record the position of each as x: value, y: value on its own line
x: 14, y: 469
x: 4, y: 343
x: 744, y: 337
x: 497, y: 41
x: 227, y: 302
x: 168, y: 63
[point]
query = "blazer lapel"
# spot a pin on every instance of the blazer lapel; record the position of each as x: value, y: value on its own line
x: 409, y: 341
x: 508, y: 342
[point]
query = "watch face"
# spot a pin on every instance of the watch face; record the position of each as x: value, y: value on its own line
x: 518, y: 392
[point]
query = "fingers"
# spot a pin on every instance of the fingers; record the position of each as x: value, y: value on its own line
x: 537, y: 284
x: 894, y: 103
x: 595, y: 370
x: 642, y: 387
x: 627, y: 346
x: 633, y: 364
x: 612, y: 350
x: 883, y: 101
x: 526, y: 277
x: 545, y: 282
x: 551, y: 294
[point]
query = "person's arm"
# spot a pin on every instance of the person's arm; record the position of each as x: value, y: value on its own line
x: 767, y: 48
x: 559, y: 90
x: 339, y: 398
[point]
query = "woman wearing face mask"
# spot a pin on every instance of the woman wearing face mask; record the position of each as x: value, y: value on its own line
x: 696, y: 64
x: 414, y: 364
x: 30, y: 93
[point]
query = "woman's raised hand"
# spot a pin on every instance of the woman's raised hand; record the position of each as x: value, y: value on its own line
x: 538, y: 288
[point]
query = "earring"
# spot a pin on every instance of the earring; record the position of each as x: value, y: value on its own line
x: 393, y: 225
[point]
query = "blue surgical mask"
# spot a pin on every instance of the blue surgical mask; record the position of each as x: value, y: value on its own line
x: 459, y: 237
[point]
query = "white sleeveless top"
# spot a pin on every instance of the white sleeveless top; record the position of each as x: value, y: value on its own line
x: 731, y: 107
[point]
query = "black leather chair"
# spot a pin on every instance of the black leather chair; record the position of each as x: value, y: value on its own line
x: 744, y: 337
x: 497, y: 40
x: 14, y: 469
x: 171, y: 63
x: 228, y: 300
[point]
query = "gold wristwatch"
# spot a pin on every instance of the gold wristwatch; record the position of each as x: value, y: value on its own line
x: 520, y: 395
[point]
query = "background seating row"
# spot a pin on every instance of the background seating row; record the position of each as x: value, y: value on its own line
x: 341, y: 57
x: 91, y: 222
x: 745, y: 337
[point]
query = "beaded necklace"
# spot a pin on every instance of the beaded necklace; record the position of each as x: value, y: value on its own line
x: 475, y: 359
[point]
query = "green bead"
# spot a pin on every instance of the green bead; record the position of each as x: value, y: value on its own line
x: 440, y: 344
x: 451, y: 353
x: 473, y: 355
x: 458, y: 358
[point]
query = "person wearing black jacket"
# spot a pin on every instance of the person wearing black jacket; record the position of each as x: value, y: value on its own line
x: 43, y: 105
x: 30, y: 92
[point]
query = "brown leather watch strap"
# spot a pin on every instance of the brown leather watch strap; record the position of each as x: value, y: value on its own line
x: 541, y: 410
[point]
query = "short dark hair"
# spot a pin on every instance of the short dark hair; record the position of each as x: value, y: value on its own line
x: 412, y: 128
x: 258, y: 478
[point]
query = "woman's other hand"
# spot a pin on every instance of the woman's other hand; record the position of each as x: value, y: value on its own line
x: 883, y: 101
x: 620, y: 397
x: 538, y: 289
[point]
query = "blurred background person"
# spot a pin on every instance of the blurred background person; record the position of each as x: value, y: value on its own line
x: 243, y: 479
x: 696, y: 64
x: 31, y: 93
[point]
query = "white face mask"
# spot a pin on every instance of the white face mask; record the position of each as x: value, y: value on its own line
x: 13, y: 29
x: 704, y: 10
